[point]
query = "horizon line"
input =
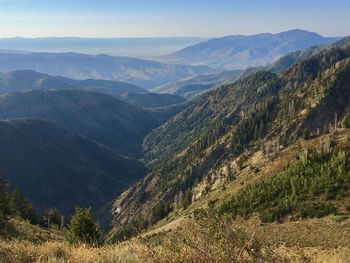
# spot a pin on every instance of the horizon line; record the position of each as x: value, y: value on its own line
x: 162, y: 37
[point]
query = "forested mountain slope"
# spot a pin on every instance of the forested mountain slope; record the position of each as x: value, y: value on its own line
x: 263, y: 111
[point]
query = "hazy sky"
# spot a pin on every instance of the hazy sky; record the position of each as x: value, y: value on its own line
x: 206, y: 18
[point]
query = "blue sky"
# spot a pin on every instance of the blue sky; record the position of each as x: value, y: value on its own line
x: 145, y: 18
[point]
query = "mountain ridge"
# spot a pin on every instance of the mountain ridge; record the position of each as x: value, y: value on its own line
x: 240, y: 52
x: 24, y: 80
x: 140, y: 72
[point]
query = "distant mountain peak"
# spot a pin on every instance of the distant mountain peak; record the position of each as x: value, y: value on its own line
x: 240, y: 51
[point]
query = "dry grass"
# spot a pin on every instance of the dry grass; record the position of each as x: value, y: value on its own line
x: 315, y: 254
x: 56, y: 251
x: 207, y: 240
x: 318, y: 232
x: 135, y: 251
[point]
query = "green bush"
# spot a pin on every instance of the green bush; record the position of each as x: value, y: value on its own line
x: 82, y: 228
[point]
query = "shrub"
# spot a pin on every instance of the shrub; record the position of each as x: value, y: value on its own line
x: 311, y: 210
x: 82, y: 228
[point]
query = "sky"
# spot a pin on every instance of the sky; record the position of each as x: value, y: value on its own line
x: 163, y: 18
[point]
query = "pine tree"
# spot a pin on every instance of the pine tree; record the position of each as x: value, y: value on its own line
x: 21, y: 207
x: 5, y: 210
x: 82, y: 228
x: 186, y: 199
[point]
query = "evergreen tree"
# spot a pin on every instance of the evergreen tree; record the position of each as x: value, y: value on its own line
x: 82, y: 228
x: 186, y: 199
x: 161, y: 210
x: 5, y: 210
x: 21, y: 207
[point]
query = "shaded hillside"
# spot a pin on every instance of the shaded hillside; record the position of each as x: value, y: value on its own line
x: 99, y: 117
x: 152, y: 100
x: 54, y: 167
x: 25, y: 80
x: 143, y: 73
x: 240, y: 52
x: 262, y: 112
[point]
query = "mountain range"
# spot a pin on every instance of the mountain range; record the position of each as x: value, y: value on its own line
x: 26, y: 80
x: 131, y: 46
x: 240, y: 52
x: 192, y: 86
x: 143, y: 73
